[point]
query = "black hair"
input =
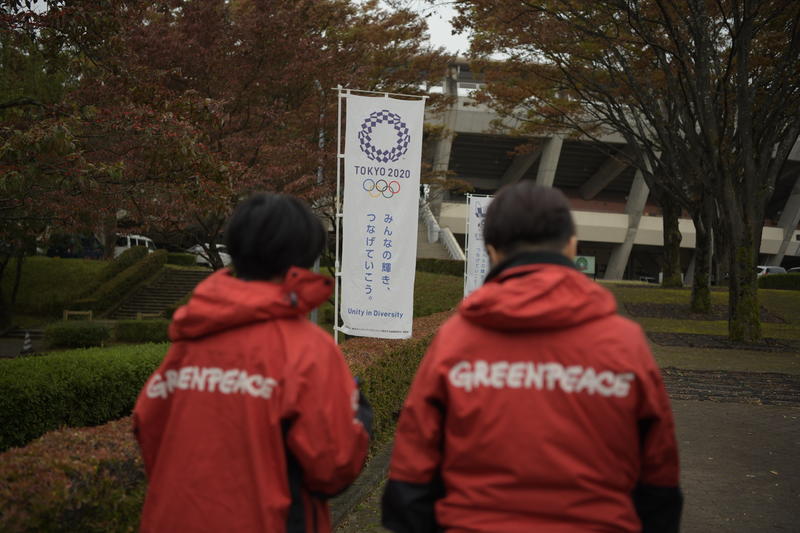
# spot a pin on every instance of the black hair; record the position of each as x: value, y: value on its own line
x: 268, y: 233
x: 524, y: 214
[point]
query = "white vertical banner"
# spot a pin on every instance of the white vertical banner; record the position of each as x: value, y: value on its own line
x: 477, y: 259
x: 382, y: 159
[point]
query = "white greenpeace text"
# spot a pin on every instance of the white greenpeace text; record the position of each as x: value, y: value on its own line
x: 218, y: 380
x: 470, y: 375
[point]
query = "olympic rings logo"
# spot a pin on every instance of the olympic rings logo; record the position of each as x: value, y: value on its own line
x: 379, y: 188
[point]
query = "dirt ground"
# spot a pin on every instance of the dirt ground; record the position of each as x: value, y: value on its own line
x: 737, y: 416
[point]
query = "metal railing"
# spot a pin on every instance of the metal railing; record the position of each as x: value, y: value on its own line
x: 450, y: 242
x: 438, y: 234
x: 427, y: 217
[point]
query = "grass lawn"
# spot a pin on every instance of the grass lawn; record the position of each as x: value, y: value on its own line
x: 48, y: 284
x: 654, y: 294
x: 714, y: 327
x: 785, y: 304
x: 433, y: 293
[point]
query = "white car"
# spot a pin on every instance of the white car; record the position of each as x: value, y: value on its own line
x: 129, y: 241
x: 764, y: 270
x: 201, y: 257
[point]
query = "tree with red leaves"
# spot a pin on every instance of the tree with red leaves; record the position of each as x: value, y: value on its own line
x: 170, y: 111
x: 706, y: 93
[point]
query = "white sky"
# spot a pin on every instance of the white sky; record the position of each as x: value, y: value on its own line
x: 438, y: 15
x: 440, y: 30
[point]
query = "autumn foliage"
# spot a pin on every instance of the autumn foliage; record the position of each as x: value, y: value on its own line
x: 92, y: 478
x: 161, y: 115
x: 706, y: 95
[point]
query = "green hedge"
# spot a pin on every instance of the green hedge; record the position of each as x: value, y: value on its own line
x: 112, y: 291
x: 385, y: 384
x: 451, y: 267
x: 72, y: 388
x: 76, y: 334
x: 780, y: 281
x: 125, y: 260
x: 87, y: 480
x: 92, y: 479
x: 51, y: 284
x: 181, y: 259
x: 142, y: 330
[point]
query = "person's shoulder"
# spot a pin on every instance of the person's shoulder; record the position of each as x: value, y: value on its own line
x: 455, y: 325
x: 313, y: 333
x: 624, y: 337
x: 453, y: 335
x: 624, y: 326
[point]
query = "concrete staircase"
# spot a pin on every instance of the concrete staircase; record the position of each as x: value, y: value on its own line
x: 168, y: 288
x: 429, y: 250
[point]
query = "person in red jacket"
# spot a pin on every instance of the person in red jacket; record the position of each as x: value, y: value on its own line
x: 253, y: 419
x: 537, y: 407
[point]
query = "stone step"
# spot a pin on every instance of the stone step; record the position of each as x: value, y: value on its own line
x: 171, y: 287
x: 429, y: 250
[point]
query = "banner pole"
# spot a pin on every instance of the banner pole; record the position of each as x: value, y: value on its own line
x: 337, y: 274
x: 384, y: 93
x: 466, y: 242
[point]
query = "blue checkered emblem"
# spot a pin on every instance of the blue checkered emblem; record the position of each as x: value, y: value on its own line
x: 402, y: 138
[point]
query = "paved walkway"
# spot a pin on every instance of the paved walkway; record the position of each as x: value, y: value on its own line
x: 10, y: 347
x: 739, y: 438
x: 740, y: 466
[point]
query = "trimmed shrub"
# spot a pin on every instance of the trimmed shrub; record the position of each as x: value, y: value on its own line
x: 450, y: 267
x: 140, y: 331
x: 48, y: 285
x: 125, y: 260
x: 72, y: 388
x: 112, y: 291
x: 92, y: 479
x: 790, y: 282
x: 76, y: 334
x: 181, y: 259
x: 385, y: 383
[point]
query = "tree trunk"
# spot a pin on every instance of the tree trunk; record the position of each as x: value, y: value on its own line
x: 701, y: 285
x: 744, y: 322
x: 722, y: 256
x: 671, y: 265
x: 17, y: 277
x: 5, y: 309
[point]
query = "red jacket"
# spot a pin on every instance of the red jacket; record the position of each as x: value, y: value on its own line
x: 536, y: 408
x: 249, y: 421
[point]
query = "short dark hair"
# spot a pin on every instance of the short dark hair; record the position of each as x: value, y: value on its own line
x: 525, y: 214
x: 268, y: 233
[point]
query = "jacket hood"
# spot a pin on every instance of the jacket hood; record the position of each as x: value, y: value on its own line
x: 223, y: 302
x: 537, y: 295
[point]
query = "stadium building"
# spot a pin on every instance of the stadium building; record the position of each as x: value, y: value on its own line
x: 618, y: 222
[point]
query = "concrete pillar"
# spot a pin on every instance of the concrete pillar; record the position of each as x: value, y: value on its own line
x: 611, y: 168
x: 790, y: 218
x: 441, y: 155
x: 637, y: 198
x: 519, y: 166
x: 548, y: 163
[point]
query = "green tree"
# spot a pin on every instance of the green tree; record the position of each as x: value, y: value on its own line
x: 707, y: 91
